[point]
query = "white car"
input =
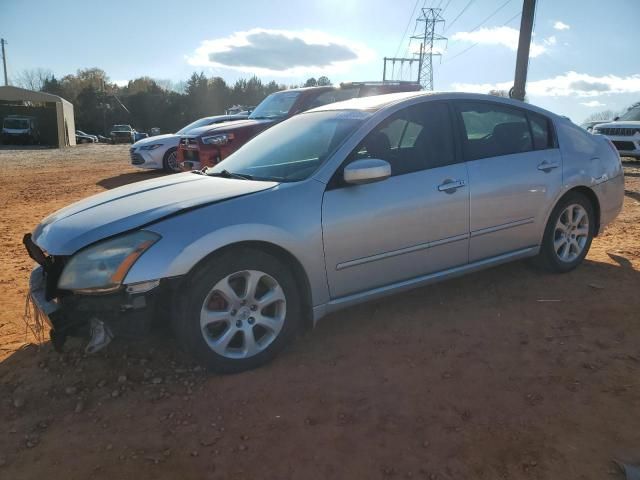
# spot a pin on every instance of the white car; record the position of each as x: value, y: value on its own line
x: 159, y: 151
x: 624, y: 132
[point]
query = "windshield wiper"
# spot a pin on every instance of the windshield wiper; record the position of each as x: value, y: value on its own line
x: 228, y: 174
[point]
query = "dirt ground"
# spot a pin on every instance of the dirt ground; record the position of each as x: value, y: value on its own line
x: 505, y: 374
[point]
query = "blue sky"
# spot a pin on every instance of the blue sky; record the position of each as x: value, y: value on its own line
x: 586, y: 56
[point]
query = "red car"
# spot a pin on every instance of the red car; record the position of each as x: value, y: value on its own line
x: 209, y: 145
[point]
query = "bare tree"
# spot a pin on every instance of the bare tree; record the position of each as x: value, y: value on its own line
x: 603, y: 115
x: 32, y: 79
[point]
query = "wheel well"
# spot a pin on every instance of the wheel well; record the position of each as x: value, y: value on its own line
x: 285, y: 257
x: 587, y: 192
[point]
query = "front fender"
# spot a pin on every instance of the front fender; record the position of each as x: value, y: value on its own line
x: 288, y: 216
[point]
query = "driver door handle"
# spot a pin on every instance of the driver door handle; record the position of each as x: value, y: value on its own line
x: 546, y: 167
x: 450, y: 186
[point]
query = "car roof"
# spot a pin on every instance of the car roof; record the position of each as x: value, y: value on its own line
x: 378, y: 102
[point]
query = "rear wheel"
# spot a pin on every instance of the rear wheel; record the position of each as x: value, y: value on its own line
x: 568, y: 235
x: 170, y: 161
x: 238, y: 311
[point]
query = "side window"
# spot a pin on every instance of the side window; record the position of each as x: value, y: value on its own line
x: 413, y: 139
x: 491, y: 130
x: 541, y: 130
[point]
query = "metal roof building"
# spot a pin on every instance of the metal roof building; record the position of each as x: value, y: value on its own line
x: 53, y: 113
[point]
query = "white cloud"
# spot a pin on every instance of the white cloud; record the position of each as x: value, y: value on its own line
x: 561, y: 26
x: 504, y: 36
x: 568, y: 84
x: 550, y: 41
x: 592, y: 104
x: 280, y: 52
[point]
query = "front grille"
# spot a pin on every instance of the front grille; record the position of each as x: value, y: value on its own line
x: 621, y: 132
x: 624, y: 146
x: 136, y: 159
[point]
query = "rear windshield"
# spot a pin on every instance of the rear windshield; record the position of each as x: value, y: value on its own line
x: 276, y: 105
x: 16, y: 123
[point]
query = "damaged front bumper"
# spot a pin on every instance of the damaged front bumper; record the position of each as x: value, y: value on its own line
x: 128, y: 312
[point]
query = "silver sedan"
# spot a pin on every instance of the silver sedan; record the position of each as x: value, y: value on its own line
x: 343, y: 204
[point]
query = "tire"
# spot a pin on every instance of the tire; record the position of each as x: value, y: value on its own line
x: 167, y: 165
x: 563, y: 250
x: 229, y: 338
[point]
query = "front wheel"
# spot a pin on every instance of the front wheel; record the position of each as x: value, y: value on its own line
x: 568, y: 235
x: 170, y: 161
x: 238, y: 311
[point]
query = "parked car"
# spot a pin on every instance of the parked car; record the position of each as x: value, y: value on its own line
x: 207, y: 147
x: 122, y: 134
x: 343, y: 204
x: 588, y: 126
x: 21, y: 130
x: 159, y: 152
x: 137, y: 136
x: 154, y: 131
x: 624, y: 132
x: 82, y: 137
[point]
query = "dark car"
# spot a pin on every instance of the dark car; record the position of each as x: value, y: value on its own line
x: 209, y: 146
x: 122, y: 134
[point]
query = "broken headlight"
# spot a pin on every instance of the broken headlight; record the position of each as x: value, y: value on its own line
x: 102, y: 267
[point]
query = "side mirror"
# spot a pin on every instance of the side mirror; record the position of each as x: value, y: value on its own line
x: 367, y: 170
x: 616, y: 118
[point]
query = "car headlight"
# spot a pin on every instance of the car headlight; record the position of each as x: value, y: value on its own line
x: 220, y: 139
x: 596, y: 130
x: 103, y: 266
x: 151, y: 147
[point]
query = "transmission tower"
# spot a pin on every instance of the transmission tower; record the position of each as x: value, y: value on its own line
x: 430, y: 17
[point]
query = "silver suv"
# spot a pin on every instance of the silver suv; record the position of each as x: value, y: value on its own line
x: 343, y: 204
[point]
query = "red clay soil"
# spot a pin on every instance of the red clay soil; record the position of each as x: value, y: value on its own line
x: 509, y: 373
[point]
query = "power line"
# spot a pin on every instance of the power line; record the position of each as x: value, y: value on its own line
x: 477, y: 43
x: 407, y: 28
x: 490, y: 16
x: 459, y: 15
x: 445, y: 7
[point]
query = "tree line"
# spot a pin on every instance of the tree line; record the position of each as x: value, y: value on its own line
x: 146, y: 102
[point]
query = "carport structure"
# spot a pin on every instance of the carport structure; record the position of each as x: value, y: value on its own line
x: 53, y: 113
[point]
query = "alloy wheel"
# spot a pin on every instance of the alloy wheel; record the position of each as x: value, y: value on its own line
x: 172, y: 161
x: 571, y: 233
x: 243, y: 314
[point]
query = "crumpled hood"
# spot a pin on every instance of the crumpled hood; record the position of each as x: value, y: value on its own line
x: 225, y: 127
x: 157, y: 139
x: 131, y: 206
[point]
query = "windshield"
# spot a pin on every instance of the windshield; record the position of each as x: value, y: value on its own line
x: 203, y: 122
x: 292, y: 150
x: 121, y: 128
x: 276, y: 105
x: 631, y: 115
x: 16, y: 123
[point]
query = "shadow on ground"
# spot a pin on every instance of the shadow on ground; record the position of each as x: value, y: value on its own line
x: 127, y: 178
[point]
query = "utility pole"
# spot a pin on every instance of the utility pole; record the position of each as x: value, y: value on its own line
x: 4, y: 61
x: 524, y: 43
x: 431, y: 18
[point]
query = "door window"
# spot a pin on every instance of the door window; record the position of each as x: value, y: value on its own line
x: 491, y: 130
x: 541, y: 130
x: 413, y: 139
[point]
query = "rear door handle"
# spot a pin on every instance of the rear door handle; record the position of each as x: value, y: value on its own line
x: 546, y: 167
x: 450, y: 186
